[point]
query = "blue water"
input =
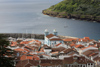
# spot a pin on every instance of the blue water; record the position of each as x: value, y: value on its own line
x: 21, y: 16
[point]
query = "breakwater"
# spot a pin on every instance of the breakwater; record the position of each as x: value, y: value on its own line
x: 29, y: 35
x: 24, y: 35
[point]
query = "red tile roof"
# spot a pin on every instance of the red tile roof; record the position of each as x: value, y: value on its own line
x: 72, y: 45
x: 70, y: 39
x: 19, y: 49
x: 13, y: 43
x: 79, y: 46
x: 30, y: 57
x: 50, y: 35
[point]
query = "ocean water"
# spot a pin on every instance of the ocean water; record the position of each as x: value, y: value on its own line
x: 25, y: 16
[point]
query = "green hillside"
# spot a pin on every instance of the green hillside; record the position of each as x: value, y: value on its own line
x: 83, y: 9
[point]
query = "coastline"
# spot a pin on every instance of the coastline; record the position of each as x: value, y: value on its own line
x: 70, y: 16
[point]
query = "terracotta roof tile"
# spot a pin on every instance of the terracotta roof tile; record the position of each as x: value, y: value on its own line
x: 19, y: 49
x: 70, y: 39
x: 79, y: 46
x: 50, y: 35
x: 72, y: 45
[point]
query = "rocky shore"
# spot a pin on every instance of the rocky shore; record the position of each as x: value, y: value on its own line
x: 69, y: 16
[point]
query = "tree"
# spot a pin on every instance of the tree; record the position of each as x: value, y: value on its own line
x: 6, y: 58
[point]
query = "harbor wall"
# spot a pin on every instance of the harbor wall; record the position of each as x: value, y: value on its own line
x: 29, y: 35
x: 23, y: 35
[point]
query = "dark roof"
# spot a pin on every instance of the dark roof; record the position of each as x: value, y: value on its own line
x: 90, y: 52
x: 79, y: 60
x: 68, y: 50
x: 97, y: 58
x: 58, y: 49
x: 50, y: 62
x: 56, y: 39
x: 46, y: 46
x: 27, y: 63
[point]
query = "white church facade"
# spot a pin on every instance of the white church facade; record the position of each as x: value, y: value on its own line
x: 52, y: 39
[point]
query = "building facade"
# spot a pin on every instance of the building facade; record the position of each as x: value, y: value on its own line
x: 52, y: 39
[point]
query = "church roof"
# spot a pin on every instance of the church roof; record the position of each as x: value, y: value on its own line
x: 53, y: 39
x: 50, y: 35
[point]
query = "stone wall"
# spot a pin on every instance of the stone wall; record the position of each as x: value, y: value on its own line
x: 20, y: 35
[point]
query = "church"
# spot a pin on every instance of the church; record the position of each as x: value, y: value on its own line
x: 52, y: 39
